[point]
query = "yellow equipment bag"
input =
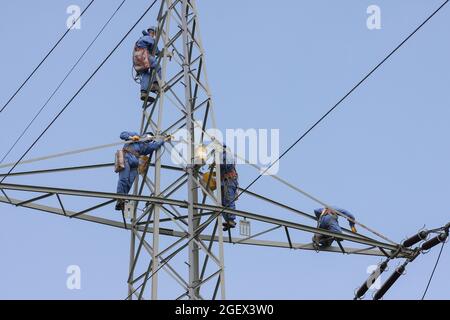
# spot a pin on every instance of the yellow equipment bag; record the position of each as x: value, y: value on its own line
x: 212, y: 182
x: 143, y: 164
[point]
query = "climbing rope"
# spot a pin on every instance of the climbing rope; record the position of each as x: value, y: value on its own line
x: 283, y: 181
x: 70, y: 153
x: 298, y: 190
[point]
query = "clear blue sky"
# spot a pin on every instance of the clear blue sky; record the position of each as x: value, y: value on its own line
x: 382, y: 155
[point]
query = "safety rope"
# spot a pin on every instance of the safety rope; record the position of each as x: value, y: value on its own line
x: 291, y: 186
x: 281, y: 180
x: 73, y: 152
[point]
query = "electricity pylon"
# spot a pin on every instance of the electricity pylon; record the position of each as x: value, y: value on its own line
x: 174, y: 218
x: 184, y: 89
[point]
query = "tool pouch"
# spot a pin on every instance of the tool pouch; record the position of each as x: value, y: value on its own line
x: 119, y: 163
x: 143, y: 164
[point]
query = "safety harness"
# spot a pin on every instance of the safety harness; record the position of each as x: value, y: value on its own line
x: 230, y: 175
x: 120, y: 160
x: 143, y: 160
x: 323, y: 214
x: 318, y: 239
x: 131, y: 151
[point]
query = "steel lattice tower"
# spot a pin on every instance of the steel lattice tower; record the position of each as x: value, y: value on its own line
x: 184, y: 89
x: 175, y: 220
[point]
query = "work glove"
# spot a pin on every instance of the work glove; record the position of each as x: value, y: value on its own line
x: 135, y: 138
x: 354, y: 229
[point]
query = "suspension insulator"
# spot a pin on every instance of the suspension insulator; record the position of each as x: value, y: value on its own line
x: 434, y: 241
x: 389, y: 282
x: 371, y: 280
x: 415, y: 239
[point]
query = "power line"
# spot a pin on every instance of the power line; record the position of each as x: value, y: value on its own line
x: 434, y: 269
x: 79, y: 90
x: 352, y: 90
x: 45, y: 58
x: 310, y: 129
x: 337, y: 104
x: 62, y: 82
x: 346, y: 95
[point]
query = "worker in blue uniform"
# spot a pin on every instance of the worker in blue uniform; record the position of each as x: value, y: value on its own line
x: 148, y: 41
x: 229, y: 186
x: 132, y: 152
x: 328, y: 219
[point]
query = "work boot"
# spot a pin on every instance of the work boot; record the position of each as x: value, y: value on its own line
x: 120, y: 205
x: 155, y: 87
x: 150, y: 99
x: 144, y: 95
x: 230, y: 224
x: 316, y: 242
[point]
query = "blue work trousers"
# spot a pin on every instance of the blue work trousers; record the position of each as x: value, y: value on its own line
x: 229, y: 191
x: 126, y: 179
x: 145, y: 76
